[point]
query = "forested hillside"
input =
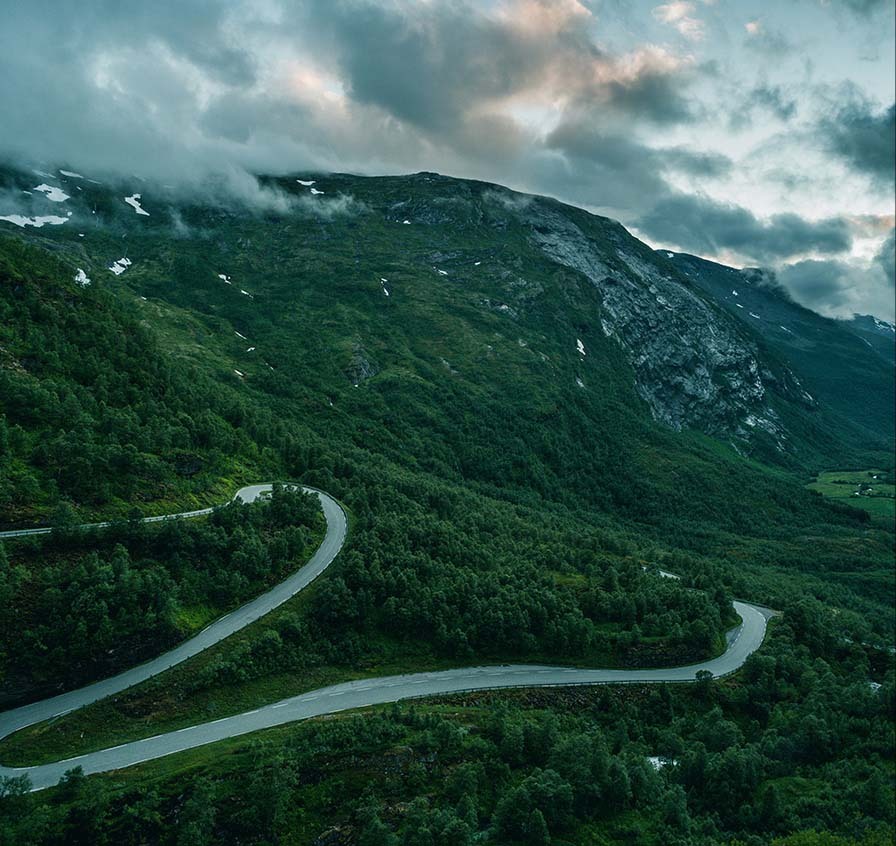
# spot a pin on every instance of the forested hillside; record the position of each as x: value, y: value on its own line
x: 515, y: 475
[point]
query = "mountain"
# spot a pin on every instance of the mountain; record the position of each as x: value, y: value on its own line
x: 447, y: 325
x: 526, y: 413
x: 878, y: 334
x: 559, y: 290
x: 847, y: 366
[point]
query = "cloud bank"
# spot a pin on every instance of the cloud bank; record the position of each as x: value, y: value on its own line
x: 627, y: 111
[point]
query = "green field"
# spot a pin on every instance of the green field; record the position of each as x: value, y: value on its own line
x: 871, y: 490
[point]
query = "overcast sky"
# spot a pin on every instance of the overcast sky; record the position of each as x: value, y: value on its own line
x: 749, y: 131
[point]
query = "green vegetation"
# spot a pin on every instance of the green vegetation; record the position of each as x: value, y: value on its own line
x: 871, y: 490
x: 80, y: 605
x: 500, y: 512
x: 96, y: 421
x: 797, y: 744
x: 393, y: 603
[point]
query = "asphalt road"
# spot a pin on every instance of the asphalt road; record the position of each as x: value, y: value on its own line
x: 328, y: 700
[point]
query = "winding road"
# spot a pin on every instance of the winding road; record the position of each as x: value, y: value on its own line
x: 327, y: 700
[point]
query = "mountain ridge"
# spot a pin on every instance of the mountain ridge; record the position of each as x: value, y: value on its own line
x: 693, y: 365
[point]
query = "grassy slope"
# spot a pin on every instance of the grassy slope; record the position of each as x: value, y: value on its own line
x: 843, y: 485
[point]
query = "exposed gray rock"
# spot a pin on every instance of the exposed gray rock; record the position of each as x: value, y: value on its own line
x: 501, y: 308
x: 693, y: 366
x: 360, y: 367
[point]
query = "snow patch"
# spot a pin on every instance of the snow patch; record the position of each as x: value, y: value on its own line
x: 134, y: 200
x: 250, y: 349
x: 239, y: 335
x: 406, y: 222
x: 755, y: 315
x: 306, y: 182
x: 579, y: 382
x: 37, y: 222
x: 580, y: 347
x: 239, y: 373
x: 476, y: 263
x: 738, y: 305
x: 120, y: 266
x: 224, y: 277
x: 315, y: 191
x: 72, y: 174
x: 250, y: 296
x: 57, y: 195
x: 734, y: 292
x: 383, y: 283
x: 81, y: 278
x: 443, y: 272
x: 786, y: 329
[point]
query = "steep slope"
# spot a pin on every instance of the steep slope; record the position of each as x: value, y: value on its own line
x: 92, y: 410
x: 448, y: 325
x: 846, y: 366
x: 693, y: 365
x: 878, y: 334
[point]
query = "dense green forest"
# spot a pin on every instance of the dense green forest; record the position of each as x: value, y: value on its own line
x: 798, y: 745
x: 78, y: 605
x: 498, y: 512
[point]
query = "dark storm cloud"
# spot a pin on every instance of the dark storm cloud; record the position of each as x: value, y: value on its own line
x: 428, y: 64
x: 775, y: 100
x: 862, y: 135
x: 172, y: 87
x: 639, y: 166
x: 692, y: 162
x: 841, y: 289
x: 814, y: 282
x: 659, y: 97
x: 700, y: 224
x: 82, y: 82
x: 436, y: 63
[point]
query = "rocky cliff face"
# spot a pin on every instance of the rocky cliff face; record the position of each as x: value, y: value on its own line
x: 693, y: 365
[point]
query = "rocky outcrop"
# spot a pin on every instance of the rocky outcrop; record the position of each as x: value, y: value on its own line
x: 693, y: 365
x: 361, y: 367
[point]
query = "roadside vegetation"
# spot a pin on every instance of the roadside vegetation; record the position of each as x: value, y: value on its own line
x: 796, y: 747
x: 80, y: 605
